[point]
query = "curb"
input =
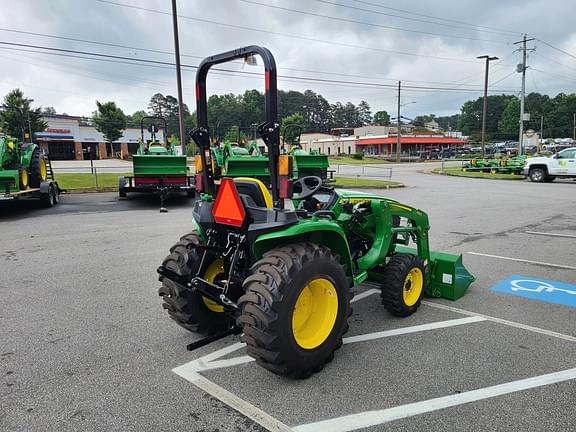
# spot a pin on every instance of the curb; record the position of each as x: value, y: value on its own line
x: 471, y: 177
x: 394, y: 186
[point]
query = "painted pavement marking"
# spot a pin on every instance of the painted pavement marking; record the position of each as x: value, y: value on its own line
x: 537, y: 288
x: 372, y: 418
x: 562, y: 266
x: 551, y: 234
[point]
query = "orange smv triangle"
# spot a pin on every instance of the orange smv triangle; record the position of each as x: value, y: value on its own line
x: 228, y: 208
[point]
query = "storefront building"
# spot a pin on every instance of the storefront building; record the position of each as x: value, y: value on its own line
x: 74, y: 138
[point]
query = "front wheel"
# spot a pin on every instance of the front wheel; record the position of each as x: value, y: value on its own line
x: 295, y: 309
x: 403, y: 284
x: 537, y: 175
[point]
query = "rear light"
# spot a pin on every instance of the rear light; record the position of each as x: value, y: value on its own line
x: 284, y: 165
x: 285, y: 188
x: 199, y: 182
x: 228, y: 208
x: 198, y: 163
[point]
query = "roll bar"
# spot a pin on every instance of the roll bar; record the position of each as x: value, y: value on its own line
x: 153, y: 133
x: 269, y: 130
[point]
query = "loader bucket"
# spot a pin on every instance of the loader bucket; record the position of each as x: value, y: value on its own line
x: 447, y: 276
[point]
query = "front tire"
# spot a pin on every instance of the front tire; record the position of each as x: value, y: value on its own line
x: 403, y: 284
x: 191, y: 310
x: 537, y: 175
x: 295, y: 309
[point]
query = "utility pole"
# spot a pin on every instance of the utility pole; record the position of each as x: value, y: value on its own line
x: 541, y: 131
x: 485, y: 102
x: 178, y: 79
x: 398, y: 142
x: 522, y: 68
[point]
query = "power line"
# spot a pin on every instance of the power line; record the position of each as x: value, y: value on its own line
x: 433, y: 17
x: 351, y: 21
x: 465, y: 27
x: 288, y: 35
x: 557, y: 49
x: 143, y: 62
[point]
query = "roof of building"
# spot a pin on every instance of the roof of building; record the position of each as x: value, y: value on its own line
x: 411, y: 139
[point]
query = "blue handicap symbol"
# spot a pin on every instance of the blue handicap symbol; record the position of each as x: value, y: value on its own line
x: 537, y: 288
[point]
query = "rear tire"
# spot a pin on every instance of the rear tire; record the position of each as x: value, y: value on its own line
x: 122, y: 187
x: 38, y: 169
x: 537, y: 175
x: 295, y: 309
x: 403, y: 284
x: 189, y: 309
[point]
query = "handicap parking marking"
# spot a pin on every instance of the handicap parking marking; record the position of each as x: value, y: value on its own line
x: 537, y: 288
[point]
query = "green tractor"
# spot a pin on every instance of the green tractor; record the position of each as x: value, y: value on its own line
x: 306, y: 163
x: 25, y: 172
x: 233, y: 160
x: 284, y: 277
x: 157, y: 167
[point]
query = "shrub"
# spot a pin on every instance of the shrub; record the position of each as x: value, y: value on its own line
x: 358, y: 155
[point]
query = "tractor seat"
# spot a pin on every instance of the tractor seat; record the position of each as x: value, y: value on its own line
x: 255, y: 189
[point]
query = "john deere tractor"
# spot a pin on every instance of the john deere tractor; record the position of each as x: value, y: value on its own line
x: 25, y: 171
x: 157, y: 168
x: 279, y: 265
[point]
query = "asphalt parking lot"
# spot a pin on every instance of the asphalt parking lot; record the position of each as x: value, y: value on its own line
x: 85, y: 344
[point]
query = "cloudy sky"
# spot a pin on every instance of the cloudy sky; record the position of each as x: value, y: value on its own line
x: 346, y: 50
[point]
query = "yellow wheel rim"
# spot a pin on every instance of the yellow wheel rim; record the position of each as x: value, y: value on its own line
x: 43, y: 170
x: 24, y: 178
x: 413, y: 285
x: 315, y: 313
x: 213, y: 270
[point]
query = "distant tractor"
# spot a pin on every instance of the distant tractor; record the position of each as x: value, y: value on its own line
x: 157, y: 168
x: 25, y: 172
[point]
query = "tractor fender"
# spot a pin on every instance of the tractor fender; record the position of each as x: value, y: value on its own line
x: 319, y: 231
x: 26, y: 154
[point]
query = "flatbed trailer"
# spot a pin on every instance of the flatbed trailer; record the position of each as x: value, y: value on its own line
x: 48, y: 193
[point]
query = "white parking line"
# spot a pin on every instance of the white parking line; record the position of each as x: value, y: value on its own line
x: 372, y: 418
x: 523, y: 260
x: 502, y: 321
x: 365, y: 294
x: 547, y: 234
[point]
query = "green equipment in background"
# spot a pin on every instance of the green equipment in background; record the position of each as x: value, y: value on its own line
x: 157, y: 168
x: 25, y: 171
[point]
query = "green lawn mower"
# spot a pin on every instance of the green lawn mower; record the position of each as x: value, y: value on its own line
x: 157, y: 168
x: 25, y: 172
x: 284, y: 277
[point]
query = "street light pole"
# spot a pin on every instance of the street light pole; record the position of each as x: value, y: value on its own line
x: 485, y: 102
x: 179, y: 79
x: 398, y: 141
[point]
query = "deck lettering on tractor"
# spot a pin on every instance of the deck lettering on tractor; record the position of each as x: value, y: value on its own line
x: 537, y: 288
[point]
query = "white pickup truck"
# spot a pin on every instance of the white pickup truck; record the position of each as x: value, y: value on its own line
x: 546, y: 169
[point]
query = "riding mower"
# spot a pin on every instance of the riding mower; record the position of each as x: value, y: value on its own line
x: 279, y: 266
x: 157, y: 168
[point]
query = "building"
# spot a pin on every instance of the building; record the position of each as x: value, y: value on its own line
x: 70, y: 137
x: 412, y: 144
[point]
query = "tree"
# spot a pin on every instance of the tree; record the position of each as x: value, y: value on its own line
x: 289, y: 130
x: 135, y: 119
x: 470, y: 120
x: 364, y: 113
x: 381, y: 118
x: 18, y: 112
x: 110, y: 121
x: 48, y: 110
x: 508, y: 126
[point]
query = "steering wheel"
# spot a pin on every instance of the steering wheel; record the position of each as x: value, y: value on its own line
x: 303, y: 185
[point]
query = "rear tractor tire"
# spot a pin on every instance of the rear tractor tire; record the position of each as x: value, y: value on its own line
x: 38, y: 168
x: 295, y: 309
x: 191, y: 310
x: 403, y: 284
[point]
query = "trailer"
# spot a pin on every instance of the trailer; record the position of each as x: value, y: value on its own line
x: 48, y: 193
